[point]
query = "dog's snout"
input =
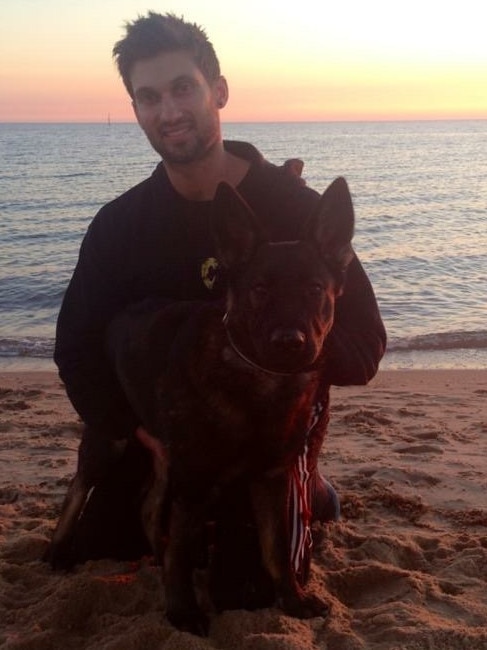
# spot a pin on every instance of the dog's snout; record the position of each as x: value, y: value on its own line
x: 289, y: 339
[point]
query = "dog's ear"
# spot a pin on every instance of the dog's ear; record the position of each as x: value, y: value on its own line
x: 234, y: 226
x: 331, y: 224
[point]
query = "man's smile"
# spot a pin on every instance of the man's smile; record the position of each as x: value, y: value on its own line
x: 176, y: 131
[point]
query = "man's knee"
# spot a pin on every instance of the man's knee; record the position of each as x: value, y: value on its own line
x: 325, y: 503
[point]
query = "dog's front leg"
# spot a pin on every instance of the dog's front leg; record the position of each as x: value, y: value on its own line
x: 153, y: 503
x: 270, y: 499
x: 182, y: 609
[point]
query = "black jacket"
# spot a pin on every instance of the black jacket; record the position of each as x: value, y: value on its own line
x: 150, y: 242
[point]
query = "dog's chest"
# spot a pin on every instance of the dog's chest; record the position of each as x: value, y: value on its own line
x: 227, y: 417
x: 251, y: 417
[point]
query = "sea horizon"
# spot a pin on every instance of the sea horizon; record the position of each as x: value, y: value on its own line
x: 229, y: 122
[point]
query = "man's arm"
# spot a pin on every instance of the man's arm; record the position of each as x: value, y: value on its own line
x: 92, y: 299
x: 357, y: 341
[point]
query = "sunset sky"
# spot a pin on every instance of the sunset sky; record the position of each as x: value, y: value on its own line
x: 284, y: 60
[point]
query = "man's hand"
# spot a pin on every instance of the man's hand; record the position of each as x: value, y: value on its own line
x: 294, y: 166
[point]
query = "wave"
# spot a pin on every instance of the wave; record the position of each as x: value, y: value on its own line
x: 36, y: 347
x: 73, y: 174
x: 440, y: 341
x: 27, y: 346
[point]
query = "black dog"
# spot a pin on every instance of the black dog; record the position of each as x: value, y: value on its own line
x: 228, y: 395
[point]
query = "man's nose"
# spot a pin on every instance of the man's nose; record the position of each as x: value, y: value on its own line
x: 169, y: 110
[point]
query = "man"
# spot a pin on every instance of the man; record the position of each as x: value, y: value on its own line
x: 154, y: 242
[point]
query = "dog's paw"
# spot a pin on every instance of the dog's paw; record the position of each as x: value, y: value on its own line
x: 189, y: 620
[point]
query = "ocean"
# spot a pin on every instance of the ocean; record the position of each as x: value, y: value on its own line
x: 420, y: 196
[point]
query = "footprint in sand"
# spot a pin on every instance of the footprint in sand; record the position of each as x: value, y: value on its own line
x: 366, y: 586
x: 417, y: 449
x: 18, y: 405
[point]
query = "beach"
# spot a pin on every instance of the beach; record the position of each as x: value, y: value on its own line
x: 404, y: 569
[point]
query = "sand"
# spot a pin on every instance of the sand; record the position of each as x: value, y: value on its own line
x: 405, y: 568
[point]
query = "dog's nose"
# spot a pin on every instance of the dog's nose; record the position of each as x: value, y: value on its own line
x: 288, y: 339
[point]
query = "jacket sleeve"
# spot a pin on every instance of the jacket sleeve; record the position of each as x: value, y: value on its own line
x: 357, y: 341
x: 92, y: 299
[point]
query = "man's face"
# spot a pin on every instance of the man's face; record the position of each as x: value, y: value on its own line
x: 176, y: 106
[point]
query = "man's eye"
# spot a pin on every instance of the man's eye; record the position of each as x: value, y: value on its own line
x: 147, y: 98
x: 183, y: 88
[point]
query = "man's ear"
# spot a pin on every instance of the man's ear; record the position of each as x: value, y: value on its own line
x: 234, y: 226
x: 221, y: 92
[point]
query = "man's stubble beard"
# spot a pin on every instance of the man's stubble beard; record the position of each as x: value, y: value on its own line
x: 194, y: 149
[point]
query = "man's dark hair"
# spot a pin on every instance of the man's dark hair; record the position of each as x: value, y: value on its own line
x: 150, y: 35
